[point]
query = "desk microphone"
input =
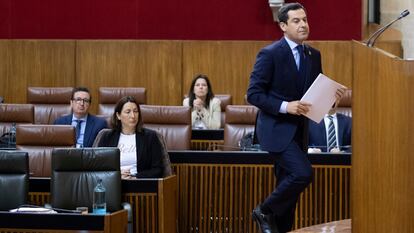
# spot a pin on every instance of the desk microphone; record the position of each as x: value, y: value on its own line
x: 371, y: 40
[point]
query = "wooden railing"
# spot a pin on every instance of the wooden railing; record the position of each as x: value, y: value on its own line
x: 218, y: 195
x: 205, y: 144
x: 220, y: 198
x: 217, y: 191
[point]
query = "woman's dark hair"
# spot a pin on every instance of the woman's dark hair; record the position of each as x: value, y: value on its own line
x: 116, y: 123
x: 283, y: 11
x: 210, y: 94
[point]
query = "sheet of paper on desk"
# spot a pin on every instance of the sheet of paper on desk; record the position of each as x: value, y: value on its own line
x: 321, y: 94
x: 33, y: 210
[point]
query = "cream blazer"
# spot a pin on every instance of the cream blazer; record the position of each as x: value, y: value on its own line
x: 210, y: 117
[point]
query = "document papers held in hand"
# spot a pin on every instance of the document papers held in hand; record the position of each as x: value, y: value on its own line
x: 321, y: 94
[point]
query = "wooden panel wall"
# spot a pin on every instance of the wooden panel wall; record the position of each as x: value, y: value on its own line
x: 155, y: 65
x: 227, y: 63
x: 336, y: 60
x: 165, y: 68
x: 25, y: 63
x: 382, y: 139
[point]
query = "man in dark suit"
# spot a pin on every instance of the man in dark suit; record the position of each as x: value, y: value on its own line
x: 319, y: 133
x: 87, y: 125
x: 282, y: 73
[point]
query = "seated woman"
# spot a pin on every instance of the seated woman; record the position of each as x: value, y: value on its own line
x: 205, y: 107
x: 141, y: 149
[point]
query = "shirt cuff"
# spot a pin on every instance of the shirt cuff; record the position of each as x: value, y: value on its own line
x: 283, y: 107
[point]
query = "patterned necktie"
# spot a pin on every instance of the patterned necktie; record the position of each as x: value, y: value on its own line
x: 331, y: 134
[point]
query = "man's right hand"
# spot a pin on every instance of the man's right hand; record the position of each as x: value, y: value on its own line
x: 297, y: 107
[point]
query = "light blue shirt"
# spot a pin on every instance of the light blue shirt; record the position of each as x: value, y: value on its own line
x: 296, y: 56
x: 79, y: 142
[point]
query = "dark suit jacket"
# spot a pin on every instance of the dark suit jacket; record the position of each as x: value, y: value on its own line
x: 93, y: 126
x: 317, y: 133
x: 273, y: 81
x: 149, y: 151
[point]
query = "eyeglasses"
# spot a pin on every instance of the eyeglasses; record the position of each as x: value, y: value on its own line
x: 80, y: 100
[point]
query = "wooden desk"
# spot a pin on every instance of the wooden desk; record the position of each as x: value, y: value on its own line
x: 153, y: 201
x: 25, y: 222
x: 206, y: 139
x: 218, y: 190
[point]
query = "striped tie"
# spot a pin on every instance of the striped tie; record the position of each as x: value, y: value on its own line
x: 331, y: 134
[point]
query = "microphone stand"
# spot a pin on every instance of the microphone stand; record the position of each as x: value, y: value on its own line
x: 371, y: 40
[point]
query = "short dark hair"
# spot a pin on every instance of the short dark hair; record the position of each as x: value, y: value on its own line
x: 116, y: 123
x: 79, y: 89
x: 283, y: 11
x: 191, y: 95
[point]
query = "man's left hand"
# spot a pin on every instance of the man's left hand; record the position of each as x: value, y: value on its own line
x: 340, y: 93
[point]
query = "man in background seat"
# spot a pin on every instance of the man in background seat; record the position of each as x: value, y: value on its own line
x: 87, y: 125
x: 319, y: 133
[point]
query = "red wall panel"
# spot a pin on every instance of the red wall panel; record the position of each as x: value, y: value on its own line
x: 169, y: 19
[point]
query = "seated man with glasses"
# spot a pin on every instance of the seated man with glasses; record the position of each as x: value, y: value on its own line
x: 87, y: 125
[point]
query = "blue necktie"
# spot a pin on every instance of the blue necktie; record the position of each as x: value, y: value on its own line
x: 78, y: 129
x: 331, y: 141
x: 300, y: 83
x: 301, y: 58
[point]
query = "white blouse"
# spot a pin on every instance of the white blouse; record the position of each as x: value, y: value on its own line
x: 127, y: 147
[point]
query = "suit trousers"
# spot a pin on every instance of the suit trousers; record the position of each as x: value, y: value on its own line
x: 293, y: 173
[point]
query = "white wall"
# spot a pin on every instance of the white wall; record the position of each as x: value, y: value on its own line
x: 390, y: 9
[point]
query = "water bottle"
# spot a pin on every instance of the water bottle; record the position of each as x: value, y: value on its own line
x: 12, y: 136
x: 99, y: 203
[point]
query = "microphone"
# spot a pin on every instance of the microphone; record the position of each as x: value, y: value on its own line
x: 371, y: 40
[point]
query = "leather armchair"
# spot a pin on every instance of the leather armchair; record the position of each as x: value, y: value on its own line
x: 49, y: 102
x: 240, y: 120
x: 15, y: 113
x: 345, y: 104
x: 75, y: 173
x: 172, y: 122
x: 225, y: 100
x: 109, y: 96
x: 14, y: 179
x: 39, y: 140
